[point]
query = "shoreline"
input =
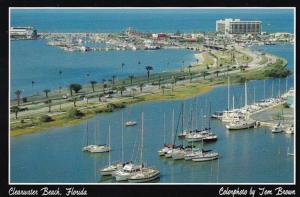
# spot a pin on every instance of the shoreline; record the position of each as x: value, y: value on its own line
x: 183, y: 90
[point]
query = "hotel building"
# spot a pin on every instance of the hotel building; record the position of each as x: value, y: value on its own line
x: 236, y: 26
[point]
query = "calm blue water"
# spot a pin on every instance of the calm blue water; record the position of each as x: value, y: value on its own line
x: 262, y: 153
x: 35, y: 61
x: 147, y: 20
x: 55, y: 155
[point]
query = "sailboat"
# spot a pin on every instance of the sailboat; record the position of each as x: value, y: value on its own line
x: 209, y: 137
x: 166, y: 147
x: 145, y: 174
x: 94, y: 148
x: 108, y: 170
x: 203, y: 155
x: 279, y: 127
x: 130, y: 123
x: 169, y: 148
x: 178, y: 153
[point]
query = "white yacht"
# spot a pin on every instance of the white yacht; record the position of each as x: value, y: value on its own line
x: 108, y: 170
x: 145, y: 175
x: 99, y: 148
x: 196, y: 136
x: 127, y: 171
x: 278, y: 128
x: 206, y: 156
x: 241, y: 124
x: 178, y: 153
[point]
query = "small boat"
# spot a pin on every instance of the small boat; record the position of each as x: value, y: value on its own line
x: 130, y: 123
x: 178, y: 153
x: 99, y: 148
x: 278, y: 128
x: 144, y: 175
x: 165, y: 149
x: 210, y: 137
x: 206, y: 156
x: 217, y: 115
x: 108, y: 170
x: 193, y: 154
x: 127, y: 171
x: 290, y: 130
x: 241, y: 124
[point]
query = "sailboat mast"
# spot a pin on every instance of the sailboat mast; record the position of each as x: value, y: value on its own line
x: 142, y: 141
x: 279, y: 89
x: 233, y: 102
x: 182, y: 117
x: 95, y: 135
x: 245, y: 93
x: 122, y: 137
x: 164, y: 127
x: 173, y: 122
x: 87, y: 134
x: 272, y: 87
x: 228, y: 94
x: 286, y: 84
x: 209, y: 117
x: 264, y: 89
x: 109, y: 144
x: 254, y: 94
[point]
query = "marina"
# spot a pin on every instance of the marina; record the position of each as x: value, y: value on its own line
x: 142, y: 135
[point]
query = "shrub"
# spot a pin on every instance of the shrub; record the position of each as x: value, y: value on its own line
x: 285, y: 105
x: 74, y: 113
x: 45, y: 118
x: 24, y: 99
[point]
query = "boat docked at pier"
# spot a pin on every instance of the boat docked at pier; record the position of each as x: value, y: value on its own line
x: 278, y: 128
x: 241, y: 124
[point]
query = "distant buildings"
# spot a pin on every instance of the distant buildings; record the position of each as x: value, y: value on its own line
x: 236, y: 26
x: 23, y: 33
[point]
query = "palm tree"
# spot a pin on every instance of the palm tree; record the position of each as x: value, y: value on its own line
x: 121, y: 89
x: 204, y: 73
x: 15, y: 109
x: 217, y: 72
x: 46, y: 92
x: 207, y: 67
x: 76, y: 87
x: 148, y: 68
x: 159, y: 80
x: 131, y: 78
x: 32, y: 84
x: 74, y: 101
x: 60, y: 73
x: 49, y: 104
x: 197, y: 60
x: 18, y: 95
x: 163, y: 89
x: 104, y: 87
x: 141, y: 85
x: 113, y: 79
x: 133, y: 91
x: 93, y: 85
x: 190, y: 66
x: 191, y: 77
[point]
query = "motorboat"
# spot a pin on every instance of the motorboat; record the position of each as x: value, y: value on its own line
x: 130, y: 123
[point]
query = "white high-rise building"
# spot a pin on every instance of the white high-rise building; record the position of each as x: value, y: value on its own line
x: 236, y: 26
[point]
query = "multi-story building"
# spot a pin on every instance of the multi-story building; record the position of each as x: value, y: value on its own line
x: 23, y: 33
x: 236, y: 26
